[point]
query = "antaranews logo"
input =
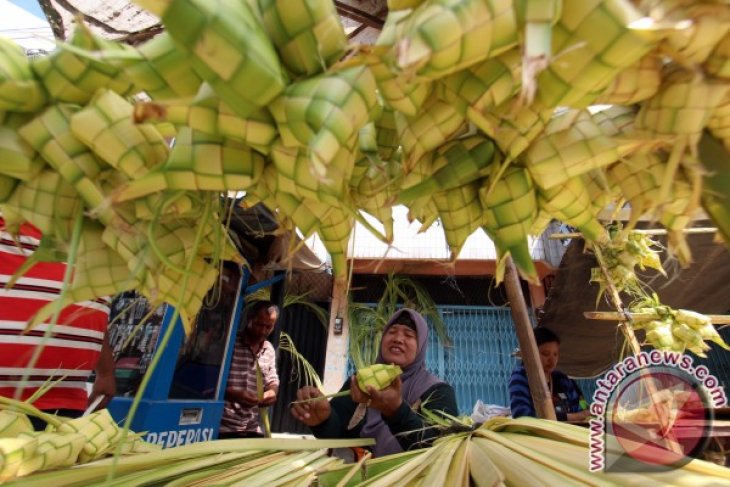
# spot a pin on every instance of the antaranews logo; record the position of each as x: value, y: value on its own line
x: 652, y: 412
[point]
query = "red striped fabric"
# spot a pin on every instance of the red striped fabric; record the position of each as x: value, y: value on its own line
x: 72, y: 344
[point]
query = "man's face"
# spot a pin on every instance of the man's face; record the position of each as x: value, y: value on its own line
x: 399, y: 345
x: 261, y: 325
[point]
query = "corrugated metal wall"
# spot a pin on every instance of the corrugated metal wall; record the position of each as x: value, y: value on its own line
x: 478, y: 364
x: 310, y: 337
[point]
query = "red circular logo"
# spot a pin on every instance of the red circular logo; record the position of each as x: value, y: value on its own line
x: 659, y: 417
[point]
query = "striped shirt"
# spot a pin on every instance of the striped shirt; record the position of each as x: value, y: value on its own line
x: 567, y: 396
x: 74, y: 341
x: 238, y: 418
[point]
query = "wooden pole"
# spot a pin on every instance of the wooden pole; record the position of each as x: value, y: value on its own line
x: 528, y: 348
x: 628, y: 331
x: 615, y: 316
x: 649, y: 231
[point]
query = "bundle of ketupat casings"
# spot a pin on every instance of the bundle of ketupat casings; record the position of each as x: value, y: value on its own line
x: 492, y: 114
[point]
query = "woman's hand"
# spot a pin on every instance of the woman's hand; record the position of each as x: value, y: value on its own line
x: 356, y: 393
x: 311, y: 413
x: 386, y: 401
x: 579, y: 416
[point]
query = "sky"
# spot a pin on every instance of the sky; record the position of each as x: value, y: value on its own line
x: 25, y: 24
x: 29, y: 6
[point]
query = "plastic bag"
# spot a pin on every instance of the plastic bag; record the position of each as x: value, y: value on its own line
x: 483, y: 412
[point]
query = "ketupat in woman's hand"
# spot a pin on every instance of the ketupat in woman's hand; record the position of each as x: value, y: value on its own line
x: 311, y: 413
x: 386, y: 401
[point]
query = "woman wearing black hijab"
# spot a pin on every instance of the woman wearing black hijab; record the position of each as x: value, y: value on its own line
x: 392, y: 414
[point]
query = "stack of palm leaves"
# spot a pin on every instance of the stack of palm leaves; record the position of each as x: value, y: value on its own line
x: 502, y: 451
x: 258, y: 98
x: 524, y: 451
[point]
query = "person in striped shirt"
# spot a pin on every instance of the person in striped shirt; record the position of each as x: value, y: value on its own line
x: 76, y: 344
x: 241, y: 409
x: 567, y: 396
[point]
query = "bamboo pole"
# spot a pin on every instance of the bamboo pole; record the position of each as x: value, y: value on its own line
x: 628, y: 331
x: 649, y: 231
x: 530, y: 356
x: 614, y: 316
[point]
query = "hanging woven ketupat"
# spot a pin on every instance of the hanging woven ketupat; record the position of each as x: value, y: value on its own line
x: 267, y: 98
x: 208, y: 114
x: 325, y: 113
x: 228, y: 48
x: 72, y: 74
x: 308, y: 35
x: 509, y: 212
x: 19, y: 90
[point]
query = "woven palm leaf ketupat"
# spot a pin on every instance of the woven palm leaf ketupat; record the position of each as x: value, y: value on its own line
x: 710, y: 22
x: 14, y: 423
x: 718, y: 62
x: 375, y: 192
x: 325, y: 113
x: 593, y: 41
x: 681, y: 109
x: 422, y: 208
x: 459, y: 162
x: 398, y: 92
x: 52, y: 450
x: 297, y: 176
x: 719, y: 122
x: 403, y: 4
x: 444, y: 36
x: 635, y: 83
x: 615, y: 120
x: 335, y: 231
x: 206, y: 113
x: 509, y: 212
x: 639, y: 178
x: 306, y: 213
x: 513, y: 125
x: 19, y: 159
x: 386, y: 134
x: 436, y: 123
x: 160, y: 69
x: 50, y: 132
x: 307, y: 34
x: 106, y: 126
x: 601, y: 191
x: 479, y: 88
x: 199, y: 162
x: 460, y: 213
x: 377, y: 376
x: 162, y: 279
x: 228, y: 48
x: 569, y: 202
x: 19, y: 91
x: 572, y: 144
x: 14, y: 451
x: 676, y: 216
x: 48, y: 202
x: 98, y: 271
x: 472, y: 113
x: 73, y: 74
